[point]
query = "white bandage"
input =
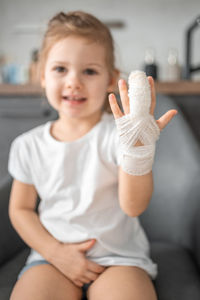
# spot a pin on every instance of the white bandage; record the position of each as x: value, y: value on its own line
x: 139, y: 125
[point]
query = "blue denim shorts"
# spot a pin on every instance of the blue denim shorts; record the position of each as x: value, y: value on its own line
x: 44, y: 262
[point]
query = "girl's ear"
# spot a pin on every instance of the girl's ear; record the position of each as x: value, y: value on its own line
x: 112, y: 87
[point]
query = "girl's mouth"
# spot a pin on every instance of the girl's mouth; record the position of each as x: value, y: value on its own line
x: 74, y: 99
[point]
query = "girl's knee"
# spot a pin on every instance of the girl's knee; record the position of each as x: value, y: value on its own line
x: 119, y: 283
x: 41, y: 283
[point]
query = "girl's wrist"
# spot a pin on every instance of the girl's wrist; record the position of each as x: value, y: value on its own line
x: 50, y: 252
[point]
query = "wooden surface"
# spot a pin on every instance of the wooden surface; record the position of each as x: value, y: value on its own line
x: 168, y: 88
x: 20, y: 90
x: 178, y: 88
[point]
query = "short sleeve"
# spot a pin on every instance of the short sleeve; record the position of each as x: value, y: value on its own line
x: 19, y: 160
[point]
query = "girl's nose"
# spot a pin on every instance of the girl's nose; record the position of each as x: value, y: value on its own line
x: 73, y: 81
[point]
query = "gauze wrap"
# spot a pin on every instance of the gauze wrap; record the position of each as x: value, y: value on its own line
x: 139, y: 125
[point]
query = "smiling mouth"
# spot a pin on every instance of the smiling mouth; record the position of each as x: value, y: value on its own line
x: 74, y: 99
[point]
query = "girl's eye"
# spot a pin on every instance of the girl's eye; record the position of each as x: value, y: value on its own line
x: 90, y: 72
x: 60, y: 69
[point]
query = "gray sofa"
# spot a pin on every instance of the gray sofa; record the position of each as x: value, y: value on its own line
x: 172, y: 220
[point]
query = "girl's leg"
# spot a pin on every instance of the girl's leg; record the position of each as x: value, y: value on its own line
x: 122, y: 282
x: 44, y: 282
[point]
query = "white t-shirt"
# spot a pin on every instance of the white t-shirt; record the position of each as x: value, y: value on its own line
x: 77, y: 183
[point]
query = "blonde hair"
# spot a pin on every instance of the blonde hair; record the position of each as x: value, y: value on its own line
x: 77, y: 23
x: 81, y: 24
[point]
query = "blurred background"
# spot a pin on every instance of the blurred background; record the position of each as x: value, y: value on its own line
x: 144, y: 31
x: 161, y: 37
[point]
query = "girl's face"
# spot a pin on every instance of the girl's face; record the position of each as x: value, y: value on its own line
x: 76, y: 77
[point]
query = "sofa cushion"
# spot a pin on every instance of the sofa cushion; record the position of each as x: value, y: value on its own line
x: 9, y: 272
x: 197, y: 238
x: 178, y: 274
x: 172, y: 210
x: 10, y: 242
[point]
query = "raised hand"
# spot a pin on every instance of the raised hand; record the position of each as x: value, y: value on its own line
x: 123, y: 91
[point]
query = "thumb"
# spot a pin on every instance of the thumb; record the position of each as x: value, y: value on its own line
x: 166, y: 118
x: 85, y: 246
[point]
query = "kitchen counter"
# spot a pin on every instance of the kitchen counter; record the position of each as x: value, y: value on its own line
x: 162, y: 87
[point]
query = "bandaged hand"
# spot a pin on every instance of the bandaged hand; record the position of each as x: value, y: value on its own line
x: 137, y: 125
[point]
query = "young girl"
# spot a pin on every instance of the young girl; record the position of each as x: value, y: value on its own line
x: 86, y: 236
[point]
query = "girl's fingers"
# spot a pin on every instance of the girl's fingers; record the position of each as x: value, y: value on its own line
x: 85, y: 279
x: 162, y: 121
x: 114, y: 106
x: 78, y: 283
x: 123, y: 91
x: 91, y: 276
x: 94, y: 267
x: 153, y: 95
x: 166, y: 118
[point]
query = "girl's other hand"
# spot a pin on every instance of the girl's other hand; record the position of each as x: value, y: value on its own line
x: 123, y: 91
x: 70, y: 259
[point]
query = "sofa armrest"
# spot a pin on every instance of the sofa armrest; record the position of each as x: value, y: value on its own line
x: 178, y: 276
x: 196, y: 247
x: 10, y: 242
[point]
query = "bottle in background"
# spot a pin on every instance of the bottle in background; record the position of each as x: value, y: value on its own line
x: 150, y: 66
x: 33, y: 68
x: 173, y: 67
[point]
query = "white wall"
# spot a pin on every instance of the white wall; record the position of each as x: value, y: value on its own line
x: 160, y: 24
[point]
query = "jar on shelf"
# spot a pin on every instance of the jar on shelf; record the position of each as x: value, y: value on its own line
x: 34, y: 68
x: 173, y: 67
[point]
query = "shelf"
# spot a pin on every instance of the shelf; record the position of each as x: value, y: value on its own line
x: 168, y: 88
x: 178, y: 88
x: 21, y: 90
